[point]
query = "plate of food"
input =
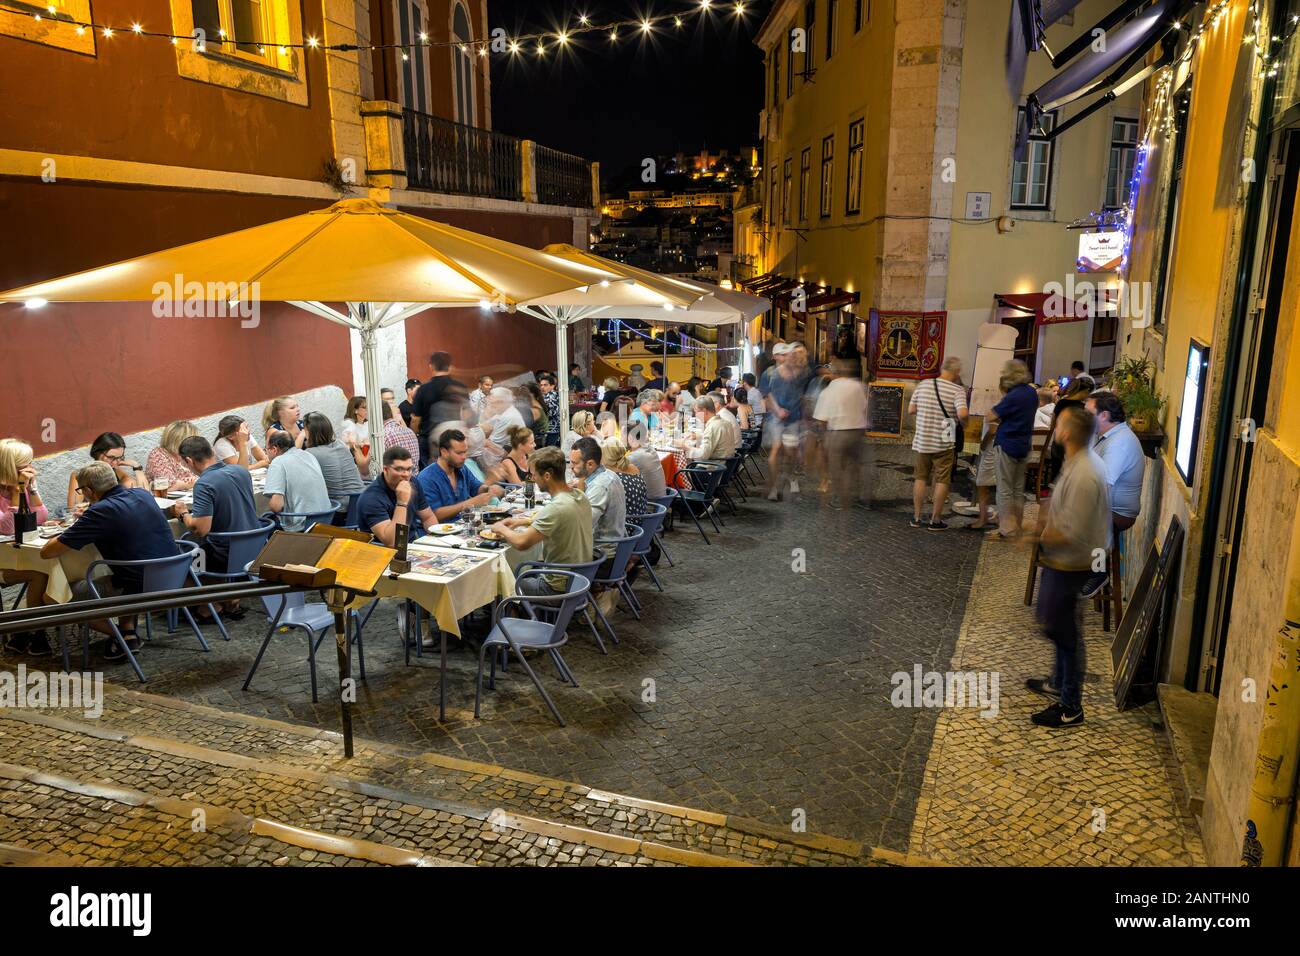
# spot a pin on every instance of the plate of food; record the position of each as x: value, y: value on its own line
x: 487, y: 534
x: 444, y: 529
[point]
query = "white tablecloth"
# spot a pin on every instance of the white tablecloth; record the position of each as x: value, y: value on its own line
x: 448, y: 599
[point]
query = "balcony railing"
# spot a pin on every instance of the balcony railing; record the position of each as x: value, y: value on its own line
x: 447, y: 157
x: 562, y: 179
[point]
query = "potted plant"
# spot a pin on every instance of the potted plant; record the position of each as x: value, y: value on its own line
x: 1133, y: 380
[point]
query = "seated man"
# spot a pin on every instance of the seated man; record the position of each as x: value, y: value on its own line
x: 294, y: 481
x: 721, y: 403
x: 562, y: 525
x: 1121, y: 453
x: 394, y: 499
x: 125, y: 524
x: 602, y: 488
x: 718, y: 441
x: 448, y: 486
x: 223, y: 504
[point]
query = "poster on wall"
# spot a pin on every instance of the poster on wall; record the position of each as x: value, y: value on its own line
x: 907, y: 344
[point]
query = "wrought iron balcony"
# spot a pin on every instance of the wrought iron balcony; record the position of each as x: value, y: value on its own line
x: 447, y: 157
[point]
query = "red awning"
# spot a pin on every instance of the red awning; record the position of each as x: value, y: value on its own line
x: 764, y: 282
x: 825, y: 301
x: 1047, y: 308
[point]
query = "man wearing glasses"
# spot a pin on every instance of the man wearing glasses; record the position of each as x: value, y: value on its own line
x: 393, y: 499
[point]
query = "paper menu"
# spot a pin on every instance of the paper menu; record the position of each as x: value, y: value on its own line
x: 357, y: 566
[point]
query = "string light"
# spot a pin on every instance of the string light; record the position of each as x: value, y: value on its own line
x: 564, y: 37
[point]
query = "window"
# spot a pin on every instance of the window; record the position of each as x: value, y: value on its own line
x: 242, y: 28
x: 832, y: 26
x: 810, y: 38
x: 1123, y: 154
x: 828, y: 170
x: 805, y: 176
x: 772, y: 196
x: 785, y: 194
x: 55, y: 27
x: 414, y: 71
x: 853, y: 197
x: 789, y: 64
x: 776, y: 76
x: 462, y: 65
x: 857, y: 16
x: 1031, y: 180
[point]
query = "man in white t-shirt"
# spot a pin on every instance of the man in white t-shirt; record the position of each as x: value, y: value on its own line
x: 842, y: 408
x: 939, y: 405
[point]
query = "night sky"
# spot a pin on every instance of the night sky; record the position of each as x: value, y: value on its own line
x: 682, y: 90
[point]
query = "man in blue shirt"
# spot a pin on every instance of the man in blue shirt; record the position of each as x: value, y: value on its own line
x: 125, y: 524
x: 1015, y: 418
x: 394, y: 498
x: 1121, y: 452
x: 447, y: 485
x: 223, y: 501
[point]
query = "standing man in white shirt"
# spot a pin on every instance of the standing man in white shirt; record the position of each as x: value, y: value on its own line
x: 842, y: 408
x: 939, y: 405
x: 478, y: 397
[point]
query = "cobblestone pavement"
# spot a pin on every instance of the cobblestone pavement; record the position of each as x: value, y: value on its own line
x: 770, y: 687
x: 1002, y: 791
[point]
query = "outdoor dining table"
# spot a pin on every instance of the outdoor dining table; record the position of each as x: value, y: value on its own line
x: 451, y: 596
x: 62, y: 572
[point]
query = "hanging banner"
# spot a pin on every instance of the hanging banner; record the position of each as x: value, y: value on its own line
x: 907, y: 344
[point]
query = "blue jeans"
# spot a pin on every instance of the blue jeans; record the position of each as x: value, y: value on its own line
x: 1058, y: 613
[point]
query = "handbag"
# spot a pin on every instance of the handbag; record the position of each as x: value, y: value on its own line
x: 960, y: 440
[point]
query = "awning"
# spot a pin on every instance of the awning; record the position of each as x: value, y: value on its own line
x: 1029, y: 21
x: 1126, y: 45
x: 770, y: 282
x: 826, y: 301
x: 1048, y: 308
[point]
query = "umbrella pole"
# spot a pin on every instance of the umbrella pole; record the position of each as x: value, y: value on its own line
x: 562, y: 371
x: 370, y: 369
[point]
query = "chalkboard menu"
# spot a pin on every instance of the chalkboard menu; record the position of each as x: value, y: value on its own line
x: 885, y: 409
x: 1145, y: 614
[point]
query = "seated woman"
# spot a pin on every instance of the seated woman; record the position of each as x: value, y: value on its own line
x: 606, y: 427
x: 541, y: 420
x: 614, y: 456
x: 337, y: 465
x: 17, y: 482
x: 583, y: 425
x: 355, y: 432
x: 235, y: 445
x: 109, y: 448
x: 281, y: 414
x: 646, y: 460
x: 164, y: 462
x: 739, y: 406
x: 514, y: 467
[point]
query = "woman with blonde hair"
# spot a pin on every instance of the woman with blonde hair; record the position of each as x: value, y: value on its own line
x: 283, y: 414
x: 18, y: 483
x: 583, y: 425
x: 164, y: 462
x: 607, y: 427
x: 514, y: 467
x: 614, y: 456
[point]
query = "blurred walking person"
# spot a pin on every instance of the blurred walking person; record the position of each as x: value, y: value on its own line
x: 842, y: 410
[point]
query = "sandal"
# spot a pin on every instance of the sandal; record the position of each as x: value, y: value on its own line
x: 112, y: 650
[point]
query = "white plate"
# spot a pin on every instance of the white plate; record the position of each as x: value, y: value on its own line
x: 444, y: 529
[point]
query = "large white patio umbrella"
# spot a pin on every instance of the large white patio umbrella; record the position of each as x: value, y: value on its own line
x: 638, y: 291
x: 384, y: 264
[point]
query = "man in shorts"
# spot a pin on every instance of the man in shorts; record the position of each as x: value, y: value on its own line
x: 939, y: 405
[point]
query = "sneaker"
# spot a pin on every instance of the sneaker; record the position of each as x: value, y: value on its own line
x: 17, y: 643
x: 1056, y: 716
x: 916, y: 523
x: 794, y: 487
x: 1039, y: 685
x: 938, y: 526
x: 1094, y: 585
x: 38, y: 644
x: 774, y: 496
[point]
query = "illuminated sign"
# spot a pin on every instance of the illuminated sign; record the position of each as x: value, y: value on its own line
x: 1100, y: 251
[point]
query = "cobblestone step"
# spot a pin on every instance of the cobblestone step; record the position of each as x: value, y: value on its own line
x: 325, y: 814
x: 225, y: 750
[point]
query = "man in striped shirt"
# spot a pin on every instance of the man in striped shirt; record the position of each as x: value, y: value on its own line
x: 397, y: 434
x: 939, y: 405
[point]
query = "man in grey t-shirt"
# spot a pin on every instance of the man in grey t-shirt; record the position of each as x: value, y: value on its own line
x: 294, y: 482
x: 1074, y: 540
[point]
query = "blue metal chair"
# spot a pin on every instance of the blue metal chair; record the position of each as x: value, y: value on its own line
x: 159, y: 574
x: 588, y: 573
x: 520, y: 634
x: 613, y: 573
x: 667, y: 501
x: 308, y: 518
x: 315, y: 620
x: 349, y: 518
x: 243, y: 548
x: 697, y: 488
x: 650, y: 523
